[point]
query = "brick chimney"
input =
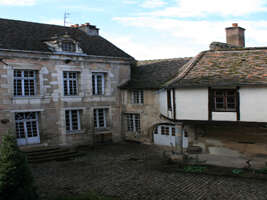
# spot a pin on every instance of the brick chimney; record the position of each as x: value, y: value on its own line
x: 235, y: 35
x: 87, y: 28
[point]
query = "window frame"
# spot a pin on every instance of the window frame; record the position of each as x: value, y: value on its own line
x: 23, y: 79
x: 169, y: 100
x: 96, y: 90
x: 24, y: 121
x: 225, y: 97
x: 137, y: 97
x: 68, y: 46
x: 70, y: 91
x: 133, y: 121
x: 97, y: 123
x: 71, y: 122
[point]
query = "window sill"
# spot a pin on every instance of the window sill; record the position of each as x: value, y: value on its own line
x: 75, y: 132
x: 27, y: 97
x: 102, y: 130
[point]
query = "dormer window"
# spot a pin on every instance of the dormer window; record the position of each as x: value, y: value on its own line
x: 68, y: 46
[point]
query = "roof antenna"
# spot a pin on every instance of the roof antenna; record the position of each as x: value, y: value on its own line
x: 66, y: 15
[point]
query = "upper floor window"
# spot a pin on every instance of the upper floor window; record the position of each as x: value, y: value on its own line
x: 25, y: 82
x: 100, y: 117
x: 98, y: 83
x: 224, y: 100
x: 70, y: 80
x: 68, y: 46
x: 72, y: 119
x: 138, y: 97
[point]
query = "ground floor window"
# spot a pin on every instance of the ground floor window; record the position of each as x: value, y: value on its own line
x: 26, y: 126
x: 100, y: 117
x: 73, y: 122
x: 133, y: 122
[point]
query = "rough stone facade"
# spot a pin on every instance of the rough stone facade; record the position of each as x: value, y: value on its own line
x: 149, y: 113
x: 50, y: 102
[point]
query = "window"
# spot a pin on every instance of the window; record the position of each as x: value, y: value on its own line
x: 133, y: 122
x: 70, y: 80
x: 73, y: 122
x: 165, y: 130
x: 138, y: 97
x: 224, y: 100
x: 100, y: 117
x: 169, y: 101
x: 24, y: 82
x: 68, y: 46
x: 26, y: 125
x: 98, y: 83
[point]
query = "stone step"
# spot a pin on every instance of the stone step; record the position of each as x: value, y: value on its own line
x: 63, y: 157
x: 39, y: 155
x: 50, y: 154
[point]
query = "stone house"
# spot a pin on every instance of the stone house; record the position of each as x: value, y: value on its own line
x: 219, y: 100
x: 59, y: 85
x: 141, y: 100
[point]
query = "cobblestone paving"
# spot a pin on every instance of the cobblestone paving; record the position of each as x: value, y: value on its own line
x: 133, y: 171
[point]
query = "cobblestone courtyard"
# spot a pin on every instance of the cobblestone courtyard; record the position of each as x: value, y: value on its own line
x: 134, y: 171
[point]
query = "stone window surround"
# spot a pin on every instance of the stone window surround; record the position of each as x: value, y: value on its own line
x: 135, y: 128
x: 26, y: 66
x: 108, y: 118
x: 63, y: 120
x: 137, y: 97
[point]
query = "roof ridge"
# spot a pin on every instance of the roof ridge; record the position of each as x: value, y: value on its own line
x: 152, y: 61
x: 184, y: 70
x: 30, y: 22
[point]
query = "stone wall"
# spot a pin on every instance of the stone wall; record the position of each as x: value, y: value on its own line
x: 50, y: 102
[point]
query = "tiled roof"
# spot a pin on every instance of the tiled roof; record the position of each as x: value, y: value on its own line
x: 21, y: 35
x: 151, y: 74
x: 240, y: 67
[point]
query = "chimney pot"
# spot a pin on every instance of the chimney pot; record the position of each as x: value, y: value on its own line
x: 234, y: 24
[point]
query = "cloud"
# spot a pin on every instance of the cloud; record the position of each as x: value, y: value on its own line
x: 17, y: 2
x: 153, y: 3
x: 184, y: 37
x: 130, y: 2
x: 193, y: 8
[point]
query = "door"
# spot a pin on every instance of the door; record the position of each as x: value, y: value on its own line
x: 27, y: 129
x: 165, y: 135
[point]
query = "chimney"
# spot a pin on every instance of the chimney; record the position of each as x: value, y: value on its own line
x: 89, y: 29
x: 235, y: 35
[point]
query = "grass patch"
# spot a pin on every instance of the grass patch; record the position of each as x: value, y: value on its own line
x: 86, y: 196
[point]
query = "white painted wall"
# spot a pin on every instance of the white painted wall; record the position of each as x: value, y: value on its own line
x: 253, y: 104
x: 191, y: 104
x: 163, y: 102
x: 224, y: 116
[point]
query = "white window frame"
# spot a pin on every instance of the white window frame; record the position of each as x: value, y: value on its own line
x: 24, y: 121
x: 132, y: 125
x: 96, y: 117
x: 70, y: 90
x: 138, y: 96
x: 68, y: 46
x: 71, y: 130
x: 23, y: 79
x: 95, y: 86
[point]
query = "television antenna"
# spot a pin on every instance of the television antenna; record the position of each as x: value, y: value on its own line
x: 66, y: 16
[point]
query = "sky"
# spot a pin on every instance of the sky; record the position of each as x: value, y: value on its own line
x: 151, y: 29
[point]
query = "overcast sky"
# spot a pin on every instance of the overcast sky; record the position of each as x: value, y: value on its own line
x: 151, y: 29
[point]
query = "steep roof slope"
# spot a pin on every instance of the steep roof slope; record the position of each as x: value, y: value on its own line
x: 151, y: 74
x: 21, y: 35
x: 235, y: 67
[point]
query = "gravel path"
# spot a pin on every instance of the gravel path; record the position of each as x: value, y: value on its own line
x: 134, y: 171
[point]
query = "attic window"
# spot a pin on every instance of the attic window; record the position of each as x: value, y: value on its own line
x: 68, y: 46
